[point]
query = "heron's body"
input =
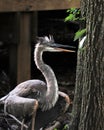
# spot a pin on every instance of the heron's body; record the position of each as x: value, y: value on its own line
x: 35, y: 89
x: 29, y: 95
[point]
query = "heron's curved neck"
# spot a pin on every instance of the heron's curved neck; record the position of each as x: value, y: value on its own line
x: 51, y: 81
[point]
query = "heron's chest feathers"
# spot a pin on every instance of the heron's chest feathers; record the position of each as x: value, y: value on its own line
x: 48, y: 101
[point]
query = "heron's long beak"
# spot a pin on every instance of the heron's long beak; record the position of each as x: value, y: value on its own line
x: 62, y: 48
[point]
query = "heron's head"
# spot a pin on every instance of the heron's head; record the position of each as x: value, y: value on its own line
x: 48, y: 44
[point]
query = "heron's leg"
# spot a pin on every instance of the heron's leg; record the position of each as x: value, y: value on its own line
x: 67, y: 99
x: 22, y: 124
x: 34, y: 114
x: 5, y: 107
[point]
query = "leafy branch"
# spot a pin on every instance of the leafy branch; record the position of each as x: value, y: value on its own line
x: 74, y: 15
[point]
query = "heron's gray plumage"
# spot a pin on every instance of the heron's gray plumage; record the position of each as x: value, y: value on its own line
x: 45, y: 93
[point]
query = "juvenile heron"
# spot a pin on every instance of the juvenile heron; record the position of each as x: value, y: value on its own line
x: 28, y: 96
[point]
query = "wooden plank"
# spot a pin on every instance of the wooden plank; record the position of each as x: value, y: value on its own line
x: 34, y: 26
x: 36, y: 5
x: 13, y: 65
x: 24, y: 49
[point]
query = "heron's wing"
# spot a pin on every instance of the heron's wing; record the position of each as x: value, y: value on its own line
x: 30, y: 89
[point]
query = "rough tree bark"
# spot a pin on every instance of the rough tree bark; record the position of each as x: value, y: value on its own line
x: 88, y: 105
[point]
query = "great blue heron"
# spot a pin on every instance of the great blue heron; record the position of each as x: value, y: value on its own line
x: 28, y: 96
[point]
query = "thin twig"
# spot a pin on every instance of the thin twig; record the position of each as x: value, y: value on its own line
x: 56, y: 125
x: 18, y: 120
x: 8, y: 124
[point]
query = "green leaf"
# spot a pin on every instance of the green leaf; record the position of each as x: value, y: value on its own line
x: 68, y: 10
x: 79, y: 34
x: 72, y: 10
x: 71, y: 17
x: 65, y: 127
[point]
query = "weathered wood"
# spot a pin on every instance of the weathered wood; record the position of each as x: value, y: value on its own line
x: 24, y: 48
x: 33, y: 5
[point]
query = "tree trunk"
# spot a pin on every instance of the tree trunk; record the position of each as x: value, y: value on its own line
x: 88, y: 105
